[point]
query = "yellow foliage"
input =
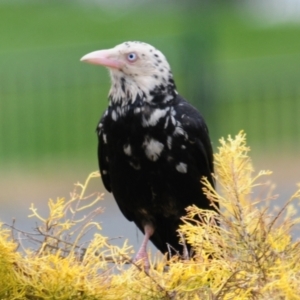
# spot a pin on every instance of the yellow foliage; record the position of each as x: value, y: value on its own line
x: 245, y: 251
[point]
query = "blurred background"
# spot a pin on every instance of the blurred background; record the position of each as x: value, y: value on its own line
x: 237, y: 61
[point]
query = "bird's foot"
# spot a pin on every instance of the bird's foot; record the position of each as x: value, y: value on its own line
x: 142, y: 256
x: 142, y: 259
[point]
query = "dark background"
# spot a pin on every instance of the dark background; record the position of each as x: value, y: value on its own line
x: 237, y: 61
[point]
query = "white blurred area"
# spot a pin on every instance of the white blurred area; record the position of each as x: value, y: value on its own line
x: 265, y: 11
x: 272, y: 12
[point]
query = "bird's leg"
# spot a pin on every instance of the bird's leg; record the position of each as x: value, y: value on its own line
x: 185, y: 252
x: 142, y: 253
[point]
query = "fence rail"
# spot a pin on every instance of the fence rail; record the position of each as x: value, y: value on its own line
x: 50, y: 107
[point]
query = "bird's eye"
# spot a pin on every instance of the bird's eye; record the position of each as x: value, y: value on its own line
x: 132, y: 57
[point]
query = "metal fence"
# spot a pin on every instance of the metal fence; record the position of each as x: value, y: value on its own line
x: 50, y: 108
x: 261, y: 96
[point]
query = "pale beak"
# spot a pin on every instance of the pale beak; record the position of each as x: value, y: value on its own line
x: 106, y: 58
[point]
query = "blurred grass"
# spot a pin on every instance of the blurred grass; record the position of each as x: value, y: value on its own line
x: 50, y: 103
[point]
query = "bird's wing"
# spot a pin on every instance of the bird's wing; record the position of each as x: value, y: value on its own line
x: 103, y: 157
x: 195, y: 127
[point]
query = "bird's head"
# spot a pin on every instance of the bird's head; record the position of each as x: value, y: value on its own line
x: 137, y: 70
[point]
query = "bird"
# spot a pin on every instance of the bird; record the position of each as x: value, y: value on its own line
x: 153, y: 146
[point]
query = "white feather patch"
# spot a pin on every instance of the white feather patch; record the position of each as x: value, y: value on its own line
x: 127, y: 149
x: 173, y: 120
x: 181, y: 167
x: 167, y: 122
x: 154, y: 117
x: 168, y: 98
x: 153, y: 148
x: 114, y: 115
x: 169, y: 142
x: 137, y: 110
x: 104, y: 138
x: 179, y: 131
x: 136, y: 166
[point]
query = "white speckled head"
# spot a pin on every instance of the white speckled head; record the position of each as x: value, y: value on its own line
x: 136, y: 68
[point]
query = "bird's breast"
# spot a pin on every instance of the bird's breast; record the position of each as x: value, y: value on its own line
x: 146, y: 139
x: 153, y: 159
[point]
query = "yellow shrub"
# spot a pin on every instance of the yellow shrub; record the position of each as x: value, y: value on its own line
x: 251, y: 255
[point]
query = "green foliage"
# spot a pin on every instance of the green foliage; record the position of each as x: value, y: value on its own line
x: 251, y: 255
x: 215, y: 54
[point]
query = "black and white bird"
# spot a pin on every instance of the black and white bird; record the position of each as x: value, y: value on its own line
x: 154, y: 146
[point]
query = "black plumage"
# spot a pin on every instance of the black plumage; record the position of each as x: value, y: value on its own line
x: 154, y: 146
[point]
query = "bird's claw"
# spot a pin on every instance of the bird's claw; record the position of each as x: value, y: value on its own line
x: 142, y: 259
